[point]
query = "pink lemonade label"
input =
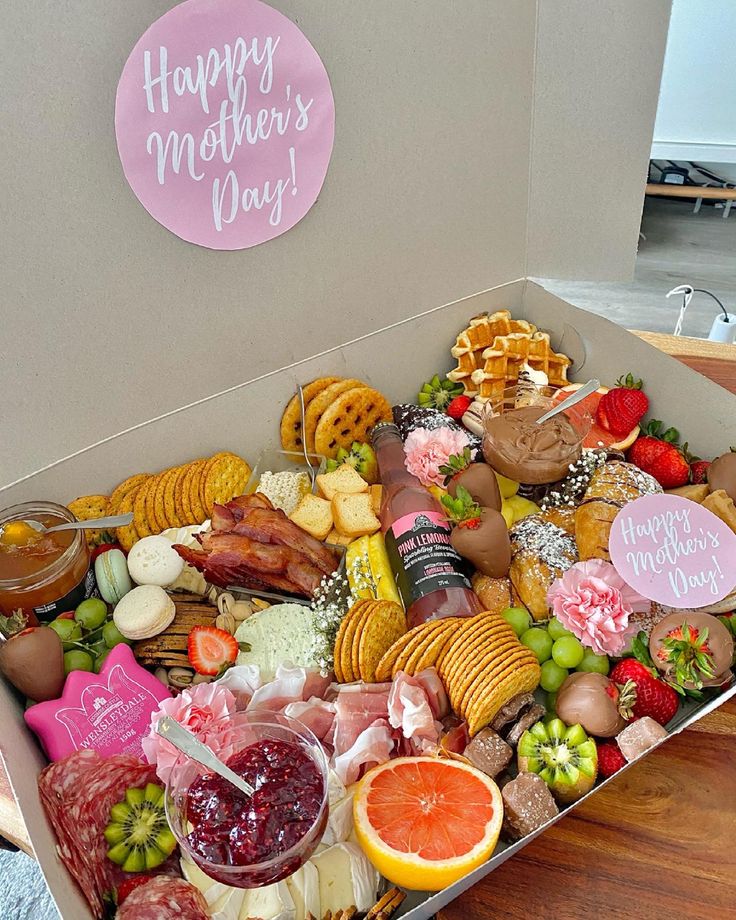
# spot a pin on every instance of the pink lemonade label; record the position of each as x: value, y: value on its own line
x: 108, y: 712
x: 225, y: 122
x: 419, y: 521
x: 674, y: 551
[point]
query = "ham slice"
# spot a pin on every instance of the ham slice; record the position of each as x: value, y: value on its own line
x: 290, y: 685
x: 372, y: 747
x: 435, y: 690
x: 409, y: 709
x: 357, y: 707
x: 318, y: 715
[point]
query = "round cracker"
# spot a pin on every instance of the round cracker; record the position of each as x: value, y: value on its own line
x: 434, y: 639
x: 291, y: 420
x: 128, y: 536
x: 346, y: 649
x: 468, y: 643
x: 186, y: 490
x: 140, y: 518
x: 171, y: 508
x: 153, y: 523
x: 385, y: 666
x: 226, y: 475
x: 195, y: 493
x: 493, y: 661
x: 383, y: 625
x: 521, y: 680
x: 351, y: 417
x: 431, y: 628
x: 127, y: 485
x: 163, y: 487
x: 321, y: 402
x: 437, y: 655
x: 362, y: 619
x: 486, y: 684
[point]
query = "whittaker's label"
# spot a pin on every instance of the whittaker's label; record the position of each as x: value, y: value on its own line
x: 422, y: 557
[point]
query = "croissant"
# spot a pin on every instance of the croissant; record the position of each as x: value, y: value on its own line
x: 541, y: 552
x: 611, y: 487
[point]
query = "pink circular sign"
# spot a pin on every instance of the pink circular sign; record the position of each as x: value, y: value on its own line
x: 673, y: 551
x: 225, y: 122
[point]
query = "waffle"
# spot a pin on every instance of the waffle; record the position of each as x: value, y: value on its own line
x: 480, y: 334
x: 504, y: 359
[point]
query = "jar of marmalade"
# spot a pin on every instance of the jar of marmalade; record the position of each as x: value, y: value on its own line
x: 43, y: 574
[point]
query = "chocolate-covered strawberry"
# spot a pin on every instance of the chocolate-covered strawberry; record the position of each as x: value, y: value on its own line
x: 722, y: 474
x: 32, y: 658
x: 595, y: 702
x: 480, y: 534
x: 693, y: 650
x: 478, y: 478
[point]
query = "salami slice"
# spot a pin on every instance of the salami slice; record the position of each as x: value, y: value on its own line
x: 77, y: 794
x: 164, y: 898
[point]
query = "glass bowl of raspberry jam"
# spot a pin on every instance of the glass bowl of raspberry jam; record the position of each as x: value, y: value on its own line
x: 251, y: 841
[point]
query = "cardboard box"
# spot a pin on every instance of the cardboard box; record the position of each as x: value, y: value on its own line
x: 707, y: 415
x: 469, y: 146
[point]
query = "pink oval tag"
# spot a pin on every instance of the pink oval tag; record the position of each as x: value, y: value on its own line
x: 673, y: 551
x: 225, y: 122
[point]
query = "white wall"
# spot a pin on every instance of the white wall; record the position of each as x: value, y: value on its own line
x: 696, y: 117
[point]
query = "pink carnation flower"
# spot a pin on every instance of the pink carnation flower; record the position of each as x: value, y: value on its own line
x: 595, y: 603
x: 196, y: 708
x: 426, y: 451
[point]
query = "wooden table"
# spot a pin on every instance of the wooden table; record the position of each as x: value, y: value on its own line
x: 656, y: 844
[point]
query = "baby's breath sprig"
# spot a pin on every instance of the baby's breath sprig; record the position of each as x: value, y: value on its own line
x: 333, y: 598
x: 574, y: 485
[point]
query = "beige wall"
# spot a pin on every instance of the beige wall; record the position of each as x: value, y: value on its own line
x: 598, y: 69
x: 109, y: 320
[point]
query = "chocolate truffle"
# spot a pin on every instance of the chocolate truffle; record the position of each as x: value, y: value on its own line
x: 722, y: 474
x: 489, y: 752
x: 639, y: 736
x: 527, y: 805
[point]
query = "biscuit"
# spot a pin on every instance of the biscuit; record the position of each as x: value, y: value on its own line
x: 350, y: 417
x: 291, y: 420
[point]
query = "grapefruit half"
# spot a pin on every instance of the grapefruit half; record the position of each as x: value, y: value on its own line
x: 597, y: 437
x: 424, y: 823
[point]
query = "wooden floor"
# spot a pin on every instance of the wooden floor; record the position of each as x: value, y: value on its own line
x: 680, y: 247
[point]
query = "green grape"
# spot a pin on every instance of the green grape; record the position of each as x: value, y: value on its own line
x: 556, y: 629
x: 518, y: 618
x: 568, y: 652
x: 100, y: 660
x: 69, y: 631
x: 92, y: 613
x: 539, y: 641
x: 112, y: 635
x: 595, y: 664
x: 77, y: 660
x: 553, y: 676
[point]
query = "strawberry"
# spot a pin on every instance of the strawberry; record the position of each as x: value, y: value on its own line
x: 458, y: 407
x: 130, y: 884
x: 610, y: 759
x: 652, y: 697
x: 211, y: 650
x: 621, y: 409
x: 659, y: 455
x: 699, y: 471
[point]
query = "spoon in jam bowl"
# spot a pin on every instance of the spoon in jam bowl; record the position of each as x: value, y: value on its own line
x: 578, y: 396
x: 185, y: 742
x: 116, y: 520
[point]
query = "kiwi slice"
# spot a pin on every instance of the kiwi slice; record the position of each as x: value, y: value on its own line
x: 138, y: 833
x: 564, y: 757
x: 438, y: 394
x: 361, y: 457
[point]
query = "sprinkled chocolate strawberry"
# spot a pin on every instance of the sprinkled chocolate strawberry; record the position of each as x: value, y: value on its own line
x: 623, y: 407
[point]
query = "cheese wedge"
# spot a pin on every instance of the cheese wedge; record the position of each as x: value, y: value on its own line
x: 346, y: 879
x: 274, y: 902
x: 339, y: 822
x: 284, y: 632
x: 303, y: 887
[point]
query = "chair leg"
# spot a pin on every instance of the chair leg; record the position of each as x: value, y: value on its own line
x: 698, y: 203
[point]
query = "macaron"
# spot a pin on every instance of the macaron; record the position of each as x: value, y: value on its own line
x: 111, y: 574
x: 144, y: 612
x: 154, y: 561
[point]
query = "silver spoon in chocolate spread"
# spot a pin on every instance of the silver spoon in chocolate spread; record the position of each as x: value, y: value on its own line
x: 578, y: 396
